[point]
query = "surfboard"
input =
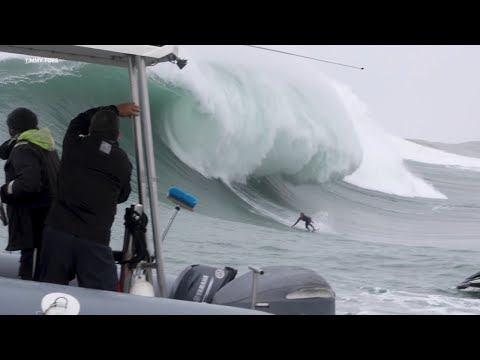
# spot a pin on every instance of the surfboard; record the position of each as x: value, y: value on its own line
x: 303, y: 229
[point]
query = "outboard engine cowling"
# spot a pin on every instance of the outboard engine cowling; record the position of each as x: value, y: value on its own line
x: 199, y: 283
x: 281, y: 290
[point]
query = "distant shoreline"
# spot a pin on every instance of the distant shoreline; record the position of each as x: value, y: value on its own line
x: 469, y: 148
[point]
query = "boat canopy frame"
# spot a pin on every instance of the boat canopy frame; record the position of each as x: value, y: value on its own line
x: 116, y: 55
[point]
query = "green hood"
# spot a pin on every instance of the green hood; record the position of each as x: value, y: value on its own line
x: 41, y: 137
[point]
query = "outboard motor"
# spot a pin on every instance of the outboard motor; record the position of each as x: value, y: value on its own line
x: 199, y: 283
x: 280, y: 290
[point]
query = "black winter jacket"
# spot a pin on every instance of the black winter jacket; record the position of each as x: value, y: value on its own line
x: 30, y: 185
x: 94, y: 177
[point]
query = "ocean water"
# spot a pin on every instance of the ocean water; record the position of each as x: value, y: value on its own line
x: 257, y: 143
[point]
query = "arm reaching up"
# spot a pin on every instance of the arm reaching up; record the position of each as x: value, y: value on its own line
x: 80, y: 125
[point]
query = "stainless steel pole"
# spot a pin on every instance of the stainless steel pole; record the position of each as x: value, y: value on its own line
x: 137, y: 132
x: 138, y: 139
x: 152, y: 176
x: 177, y: 209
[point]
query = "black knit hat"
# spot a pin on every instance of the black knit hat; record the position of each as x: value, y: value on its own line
x: 105, y: 122
x: 22, y: 119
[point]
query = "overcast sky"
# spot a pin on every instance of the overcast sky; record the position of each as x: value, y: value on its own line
x: 413, y: 91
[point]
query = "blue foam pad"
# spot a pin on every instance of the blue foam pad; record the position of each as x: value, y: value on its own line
x: 182, y: 197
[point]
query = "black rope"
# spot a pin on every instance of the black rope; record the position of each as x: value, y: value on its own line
x: 305, y: 57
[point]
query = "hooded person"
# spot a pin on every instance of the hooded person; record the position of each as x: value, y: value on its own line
x: 31, y: 170
x: 94, y: 177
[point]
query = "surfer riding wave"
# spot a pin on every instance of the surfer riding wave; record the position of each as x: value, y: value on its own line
x: 308, y: 221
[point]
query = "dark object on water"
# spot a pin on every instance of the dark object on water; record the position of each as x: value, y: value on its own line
x: 472, y: 281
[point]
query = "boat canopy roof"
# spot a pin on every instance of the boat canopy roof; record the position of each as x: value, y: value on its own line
x: 116, y: 55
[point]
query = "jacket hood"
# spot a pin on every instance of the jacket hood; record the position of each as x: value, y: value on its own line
x: 40, y: 137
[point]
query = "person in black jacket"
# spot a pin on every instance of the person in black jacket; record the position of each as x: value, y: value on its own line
x: 308, y: 221
x: 94, y: 177
x: 30, y: 174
